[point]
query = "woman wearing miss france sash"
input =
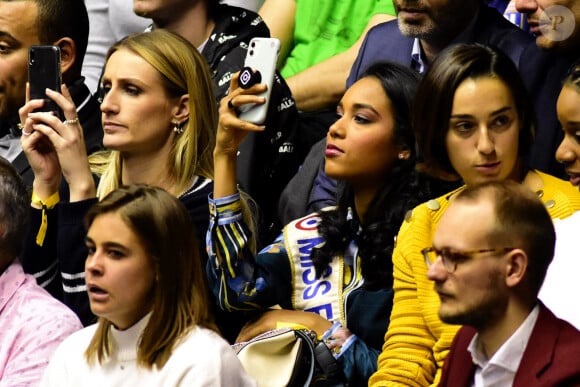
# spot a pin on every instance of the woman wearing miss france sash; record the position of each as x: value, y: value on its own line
x: 330, y: 271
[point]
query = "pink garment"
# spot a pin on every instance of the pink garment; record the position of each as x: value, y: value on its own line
x: 32, y: 325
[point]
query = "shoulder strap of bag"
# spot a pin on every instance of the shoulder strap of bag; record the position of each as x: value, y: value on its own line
x: 329, y: 371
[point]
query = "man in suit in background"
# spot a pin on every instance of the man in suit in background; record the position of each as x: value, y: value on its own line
x: 555, y: 23
x: 425, y: 27
x: 490, y: 254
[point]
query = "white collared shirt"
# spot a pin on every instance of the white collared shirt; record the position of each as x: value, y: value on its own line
x: 418, y: 62
x: 501, y: 369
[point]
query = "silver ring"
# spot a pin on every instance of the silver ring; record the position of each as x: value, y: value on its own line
x: 25, y: 133
x: 71, y: 122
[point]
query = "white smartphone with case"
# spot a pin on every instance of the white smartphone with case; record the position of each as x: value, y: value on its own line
x: 262, y: 55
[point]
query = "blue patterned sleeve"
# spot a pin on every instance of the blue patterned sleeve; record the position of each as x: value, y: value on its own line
x: 238, y: 278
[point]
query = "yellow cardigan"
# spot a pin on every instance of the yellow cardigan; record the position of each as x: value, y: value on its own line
x: 417, y: 342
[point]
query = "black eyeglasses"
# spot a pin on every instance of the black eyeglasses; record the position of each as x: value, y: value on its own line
x: 451, y: 258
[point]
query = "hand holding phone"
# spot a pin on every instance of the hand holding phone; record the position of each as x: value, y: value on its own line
x: 262, y: 57
x: 44, y: 72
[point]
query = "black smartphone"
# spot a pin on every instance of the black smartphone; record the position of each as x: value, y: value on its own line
x: 43, y: 73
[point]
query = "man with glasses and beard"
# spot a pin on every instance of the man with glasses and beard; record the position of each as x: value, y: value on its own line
x: 489, y: 258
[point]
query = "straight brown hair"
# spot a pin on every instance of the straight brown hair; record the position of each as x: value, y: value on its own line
x: 180, y: 299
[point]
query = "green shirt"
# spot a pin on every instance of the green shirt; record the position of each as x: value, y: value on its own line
x: 325, y: 28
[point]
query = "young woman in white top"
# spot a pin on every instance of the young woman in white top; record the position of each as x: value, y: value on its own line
x: 146, y: 284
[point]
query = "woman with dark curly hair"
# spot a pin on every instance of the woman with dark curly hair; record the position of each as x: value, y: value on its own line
x: 330, y: 271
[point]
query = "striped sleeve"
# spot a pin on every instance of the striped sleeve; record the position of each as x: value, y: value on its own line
x: 236, y: 280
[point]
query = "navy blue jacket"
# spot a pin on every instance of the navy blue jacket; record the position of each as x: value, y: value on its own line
x: 385, y: 42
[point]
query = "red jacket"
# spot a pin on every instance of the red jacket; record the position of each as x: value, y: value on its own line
x: 551, y: 358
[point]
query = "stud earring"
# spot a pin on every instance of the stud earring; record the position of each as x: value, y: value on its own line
x: 176, y: 127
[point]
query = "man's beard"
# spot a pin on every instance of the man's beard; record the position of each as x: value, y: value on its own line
x: 419, y: 31
x: 484, y: 312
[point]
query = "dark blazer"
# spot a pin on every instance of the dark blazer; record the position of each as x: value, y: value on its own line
x: 543, y: 73
x: 386, y: 42
x: 551, y: 357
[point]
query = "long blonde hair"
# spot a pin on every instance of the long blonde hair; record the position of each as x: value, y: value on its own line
x: 184, y: 71
x: 180, y: 299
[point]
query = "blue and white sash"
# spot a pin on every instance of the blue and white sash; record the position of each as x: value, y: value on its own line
x: 324, y: 295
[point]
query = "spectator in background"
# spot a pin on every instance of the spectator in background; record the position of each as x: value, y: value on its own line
x: 146, y: 283
x: 320, y: 41
x: 556, y: 26
x: 473, y: 120
x: 111, y: 20
x: 490, y: 254
x: 555, y: 23
x: 63, y: 23
x: 422, y: 31
x: 32, y: 322
x: 562, y: 278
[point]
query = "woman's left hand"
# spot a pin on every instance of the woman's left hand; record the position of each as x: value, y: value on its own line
x: 231, y: 129
x: 270, y: 320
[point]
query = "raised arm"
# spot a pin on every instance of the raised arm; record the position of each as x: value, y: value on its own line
x: 234, y: 275
x: 230, y: 133
x: 280, y: 17
x: 54, y: 250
